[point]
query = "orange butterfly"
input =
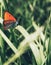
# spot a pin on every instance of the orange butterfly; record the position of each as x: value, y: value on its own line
x: 9, y: 20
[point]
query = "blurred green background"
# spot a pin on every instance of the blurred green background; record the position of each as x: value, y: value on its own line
x: 26, y: 12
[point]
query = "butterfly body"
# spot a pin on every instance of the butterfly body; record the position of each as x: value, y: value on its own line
x: 9, y: 20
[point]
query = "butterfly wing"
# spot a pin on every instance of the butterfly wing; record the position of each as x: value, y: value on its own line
x: 8, y: 16
x: 9, y: 20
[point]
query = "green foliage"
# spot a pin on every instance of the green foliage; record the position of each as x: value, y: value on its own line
x: 27, y: 13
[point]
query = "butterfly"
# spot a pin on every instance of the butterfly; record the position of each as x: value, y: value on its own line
x: 9, y: 21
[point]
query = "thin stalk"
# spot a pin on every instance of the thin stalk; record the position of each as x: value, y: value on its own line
x: 8, y: 42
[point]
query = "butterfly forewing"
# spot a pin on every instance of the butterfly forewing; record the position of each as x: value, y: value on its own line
x: 8, y: 16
